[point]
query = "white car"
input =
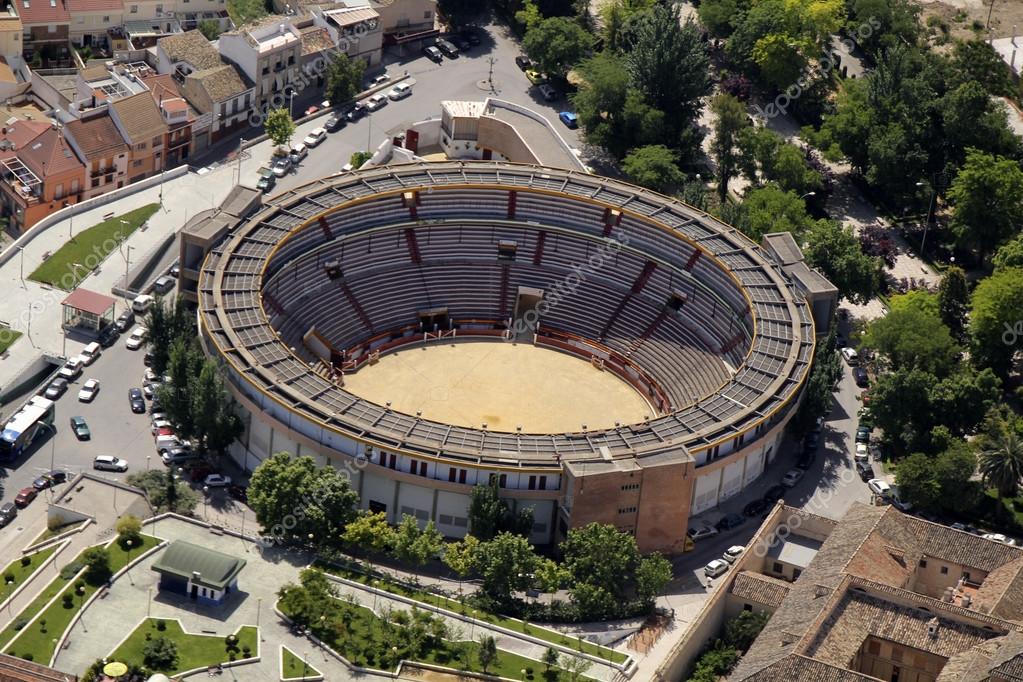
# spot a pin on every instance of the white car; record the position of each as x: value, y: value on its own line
x: 862, y: 453
x: 315, y: 136
x: 376, y: 102
x: 216, y: 481
x: 998, y: 537
x: 379, y: 80
x: 281, y: 166
x: 879, y: 487
x: 88, y: 391
x: 137, y: 338
x: 852, y: 358
x: 701, y: 532
x: 792, y: 477
x: 109, y: 463
x: 732, y: 553
x: 715, y: 568
x: 399, y: 91
x: 71, y: 369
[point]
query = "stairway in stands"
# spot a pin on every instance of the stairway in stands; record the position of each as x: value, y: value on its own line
x: 637, y: 286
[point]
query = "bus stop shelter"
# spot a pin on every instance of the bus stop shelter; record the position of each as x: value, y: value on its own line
x: 87, y: 311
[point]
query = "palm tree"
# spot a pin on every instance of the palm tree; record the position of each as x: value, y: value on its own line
x: 1001, y: 465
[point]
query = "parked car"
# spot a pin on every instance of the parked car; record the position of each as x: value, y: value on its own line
x: 335, y: 122
x: 569, y: 119
x: 25, y: 497
x: 998, y: 537
x: 862, y: 453
x: 861, y: 377
x: 357, y: 112
x: 471, y: 36
x: 57, y: 476
x: 730, y: 521
x: 547, y: 92
x: 756, y: 508
x: 138, y: 405
x: 55, y: 389
x: 899, y: 503
x: 535, y: 77
x: 8, y: 512
x: 177, y: 455
x: 863, y: 434
x: 142, y: 303
x: 806, y: 460
x: 80, y: 428
x: 792, y: 477
x: 42, y: 483
x: 238, y: 492
x: 108, y: 336
x: 379, y: 80
x: 281, y: 166
x: 159, y: 425
x: 865, y: 471
x: 217, y: 481
x: 310, y: 110
x: 459, y: 42
x: 298, y: 153
x: 163, y: 284
x: 733, y: 553
x: 703, y: 532
x: 715, y: 568
x: 449, y: 50
x: 175, y: 271
x: 433, y: 54
x: 71, y: 369
x: 774, y: 493
x: 109, y: 463
x: 137, y: 338
x: 965, y: 527
x: 879, y: 487
x: 267, y: 180
x: 377, y: 101
x: 149, y: 389
x: 851, y: 356
x: 399, y: 91
x: 88, y: 391
x: 315, y: 137
x: 125, y: 320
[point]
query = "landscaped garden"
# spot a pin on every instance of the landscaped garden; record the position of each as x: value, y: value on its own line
x: 7, y: 338
x: 381, y: 642
x: 383, y: 582
x: 18, y: 571
x: 73, y: 262
x: 34, y: 632
x: 295, y: 668
x: 162, y: 646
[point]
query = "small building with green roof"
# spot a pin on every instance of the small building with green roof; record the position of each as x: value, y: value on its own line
x: 198, y: 572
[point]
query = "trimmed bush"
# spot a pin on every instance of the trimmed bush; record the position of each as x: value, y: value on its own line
x: 161, y: 625
x: 26, y: 560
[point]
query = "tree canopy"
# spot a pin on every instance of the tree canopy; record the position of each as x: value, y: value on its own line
x: 344, y: 78
x: 556, y: 44
x: 653, y: 166
x: 996, y: 310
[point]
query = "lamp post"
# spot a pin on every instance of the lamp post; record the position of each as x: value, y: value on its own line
x: 9, y: 614
x: 930, y: 212
x: 808, y: 194
x: 241, y: 143
x: 376, y: 584
x: 80, y: 591
x: 127, y: 567
x: 259, y: 606
x: 21, y: 250
x: 148, y: 457
x: 205, y: 502
x: 149, y: 601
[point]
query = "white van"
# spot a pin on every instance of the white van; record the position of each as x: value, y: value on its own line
x: 165, y: 443
x: 72, y: 368
x: 851, y: 356
x: 91, y: 352
x: 142, y: 303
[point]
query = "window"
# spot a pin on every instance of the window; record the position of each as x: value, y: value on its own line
x: 944, y: 570
x: 461, y: 475
x: 923, y: 563
x: 156, y: 141
x: 95, y: 182
x: 74, y: 186
x: 136, y: 164
x: 422, y: 468
x: 159, y: 9
x: 106, y: 20
x: 502, y: 481
x: 897, y: 654
x: 966, y: 576
x: 392, y: 462
x: 874, y: 648
x: 543, y: 483
x: 796, y: 572
x: 427, y: 14
x: 60, y: 191
x: 134, y: 9
x: 627, y: 510
x: 630, y: 486
x: 51, y: 28
x: 291, y: 60
x: 778, y: 568
x: 451, y: 474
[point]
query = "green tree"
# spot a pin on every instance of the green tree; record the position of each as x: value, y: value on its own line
x: 654, y: 167
x: 165, y: 324
x: 97, y: 565
x: 414, y: 545
x: 279, y: 127
x: 1001, y: 466
x: 529, y: 16
x: 216, y: 420
x: 576, y: 667
x: 550, y: 576
x: 550, y: 659
x: 652, y: 575
x: 988, y: 197
x: 344, y: 78
x: 758, y: 149
x: 977, y: 61
x: 970, y: 118
x: 160, y: 653
x: 741, y: 631
x: 718, y: 16
x: 954, y: 301
x: 910, y: 337
x: 835, y: 250
x: 487, y: 653
x: 460, y: 557
x: 900, y: 407
x: 669, y: 64
x: 770, y: 209
x: 129, y: 527
x: 820, y: 387
x: 731, y: 118
x: 461, y: 13
x: 506, y: 565
x: 917, y: 485
x: 490, y: 515
x: 1010, y: 254
x: 601, y: 562
x: 184, y: 363
x: 615, y: 16
x: 953, y: 470
x: 164, y: 490
x: 780, y: 58
x: 996, y: 309
x: 556, y: 44
x: 210, y: 29
x: 370, y: 531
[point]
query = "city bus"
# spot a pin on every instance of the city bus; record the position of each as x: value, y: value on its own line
x: 22, y: 428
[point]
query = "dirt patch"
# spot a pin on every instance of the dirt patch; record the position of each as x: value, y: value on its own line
x: 962, y: 17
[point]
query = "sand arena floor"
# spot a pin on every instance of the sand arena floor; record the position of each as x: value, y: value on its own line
x: 501, y: 384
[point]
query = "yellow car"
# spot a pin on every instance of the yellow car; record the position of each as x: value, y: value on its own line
x: 535, y: 77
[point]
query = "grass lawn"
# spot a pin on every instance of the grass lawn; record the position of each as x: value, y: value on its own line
x: 512, y: 624
x: 294, y: 667
x: 368, y: 642
x: 88, y: 249
x: 194, y: 651
x: 7, y: 338
x: 244, y: 11
x: 21, y: 573
x: 54, y: 532
x: 36, y: 638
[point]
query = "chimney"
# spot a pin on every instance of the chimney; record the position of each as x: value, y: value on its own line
x: 932, y: 628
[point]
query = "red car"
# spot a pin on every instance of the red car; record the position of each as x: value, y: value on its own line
x: 311, y: 110
x: 25, y: 496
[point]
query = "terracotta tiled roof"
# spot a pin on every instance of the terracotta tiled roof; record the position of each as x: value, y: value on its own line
x: 49, y: 154
x: 93, y: 73
x: 140, y: 118
x: 978, y: 664
x: 42, y: 11
x: 796, y: 668
x: 96, y: 137
x: 84, y: 6
x: 18, y: 670
x: 221, y: 83
x: 941, y: 542
x: 759, y: 588
x: 191, y: 47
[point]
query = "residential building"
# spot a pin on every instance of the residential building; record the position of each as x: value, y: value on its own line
x: 185, y: 53
x: 46, y: 26
x: 407, y: 25
x: 356, y: 31
x: 177, y: 114
x: 15, y: 78
x: 91, y: 19
x: 10, y: 31
x: 142, y: 125
x: 97, y: 141
x: 876, y: 595
x: 97, y: 85
x: 40, y: 176
x: 223, y: 99
x: 269, y: 54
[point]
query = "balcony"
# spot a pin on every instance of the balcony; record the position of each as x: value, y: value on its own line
x: 102, y: 171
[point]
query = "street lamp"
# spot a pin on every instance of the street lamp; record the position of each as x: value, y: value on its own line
x: 808, y: 194
x: 127, y: 567
x: 205, y: 501
x: 148, y: 457
x: 80, y: 591
x: 21, y: 250
x: 930, y: 213
x: 9, y: 583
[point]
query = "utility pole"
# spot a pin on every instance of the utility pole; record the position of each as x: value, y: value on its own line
x: 491, y: 61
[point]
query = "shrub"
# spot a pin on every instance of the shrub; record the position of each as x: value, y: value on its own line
x: 70, y: 571
x: 8, y: 577
x: 247, y: 651
x: 42, y: 625
x: 28, y: 657
x: 161, y: 625
x: 26, y: 560
x: 160, y: 653
x: 79, y: 585
x: 97, y: 561
x: 230, y: 640
x: 129, y: 528
x: 68, y: 600
x: 19, y: 624
x: 231, y: 656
